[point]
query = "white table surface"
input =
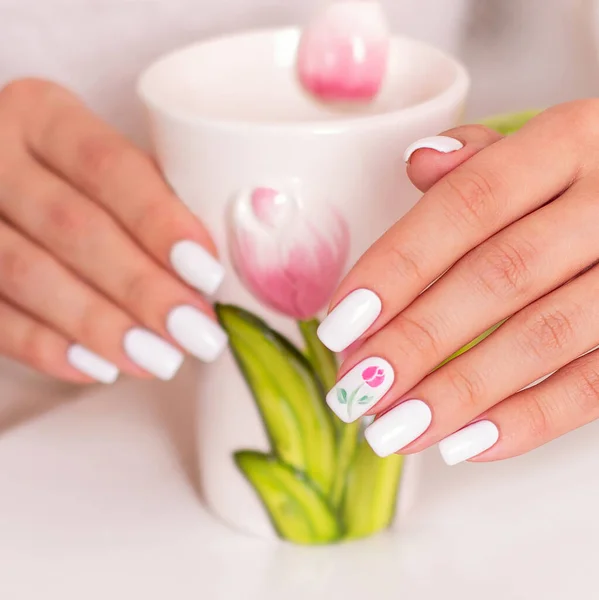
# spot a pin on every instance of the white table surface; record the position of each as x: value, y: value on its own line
x: 98, y: 501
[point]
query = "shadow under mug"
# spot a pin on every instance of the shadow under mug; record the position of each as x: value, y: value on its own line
x: 293, y: 191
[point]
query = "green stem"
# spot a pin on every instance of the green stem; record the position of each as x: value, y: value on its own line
x: 471, y: 345
x: 351, y: 399
x: 347, y: 444
x: 323, y: 361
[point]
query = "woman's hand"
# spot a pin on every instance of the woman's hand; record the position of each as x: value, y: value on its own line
x: 505, y: 229
x: 95, y: 249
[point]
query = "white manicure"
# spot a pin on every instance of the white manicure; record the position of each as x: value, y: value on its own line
x: 152, y: 353
x: 360, y: 389
x: 469, y: 442
x: 196, y: 332
x: 196, y: 266
x: 399, y: 427
x: 92, y: 365
x: 440, y: 143
x: 350, y: 319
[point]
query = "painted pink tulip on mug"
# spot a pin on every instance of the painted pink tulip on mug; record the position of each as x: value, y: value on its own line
x: 343, y: 54
x: 290, y: 258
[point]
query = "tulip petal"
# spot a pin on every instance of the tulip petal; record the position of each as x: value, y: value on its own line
x: 291, y: 266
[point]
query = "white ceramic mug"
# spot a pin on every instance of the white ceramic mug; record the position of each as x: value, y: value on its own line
x: 287, y: 186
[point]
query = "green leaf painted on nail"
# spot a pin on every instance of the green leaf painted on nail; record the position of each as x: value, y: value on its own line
x: 341, y: 396
x: 364, y: 400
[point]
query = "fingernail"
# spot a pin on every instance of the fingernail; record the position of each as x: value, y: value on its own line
x: 361, y: 389
x: 468, y: 442
x: 399, y: 427
x: 92, y: 365
x: 350, y: 319
x: 440, y: 143
x: 152, y: 353
x: 196, y: 332
x: 196, y: 266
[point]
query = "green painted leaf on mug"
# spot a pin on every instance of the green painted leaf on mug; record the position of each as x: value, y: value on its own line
x: 288, y: 394
x: 297, y: 510
x: 371, y: 493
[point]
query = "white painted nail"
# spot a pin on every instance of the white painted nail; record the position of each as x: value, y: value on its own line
x: 152, y: 353
x: 196, y: 332
x: 469, y: 442
x: 440, y: 143
x: 92, y: 365
x: 196, y: 266
x: 361, y: 389
x: 399, y: 427
x: 350, y: 319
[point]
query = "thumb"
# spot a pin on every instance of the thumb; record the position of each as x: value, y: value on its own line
x: 431, y: 158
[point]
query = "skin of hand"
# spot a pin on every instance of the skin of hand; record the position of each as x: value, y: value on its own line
x: 506, y: 229
x: 102, y: 268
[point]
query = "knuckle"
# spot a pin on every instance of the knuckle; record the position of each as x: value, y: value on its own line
x: 90, y: 321
x: 157, y: 215
x: 467, y: 388
x: 141, y: 287
x: 64, y: 221
x: 37, y: 348
x: 405, y: 263
x: 502, y: 267
x: 419, y: 335
x: 15, y: 270
x: 586, y: 390
x: 98, y: 157
x: 547, y: 333
x: 536, y: 417
x: 470, y: 199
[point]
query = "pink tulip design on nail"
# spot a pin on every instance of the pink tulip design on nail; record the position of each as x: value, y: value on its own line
x: 371, y: 376
x: 290, y: 258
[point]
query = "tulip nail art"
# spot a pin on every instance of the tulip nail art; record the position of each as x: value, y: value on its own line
x: 361, y: 389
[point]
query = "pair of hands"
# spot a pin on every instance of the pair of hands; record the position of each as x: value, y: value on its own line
x: 103, y: 270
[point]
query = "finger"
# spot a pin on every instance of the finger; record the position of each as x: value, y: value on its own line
x: 563, y: 402
x: 502, y: 276
x: 472, y: 203
x: 537, y: 341
x: 34, y: 344
x: 430, y: 159
x: 106, y: 167
x: 88, y: 240
x: 34, y: 281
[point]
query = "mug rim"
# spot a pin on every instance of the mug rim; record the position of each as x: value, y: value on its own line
x: 451, y: 96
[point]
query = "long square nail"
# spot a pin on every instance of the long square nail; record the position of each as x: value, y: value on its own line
x: 92, y: 364
x: 152, y: 353
x: 196, y: 266
x: 361, y: 388
x: 468, y: 442
x: 399, y: 427
x: 196, y: 332
x: 350, y: 319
